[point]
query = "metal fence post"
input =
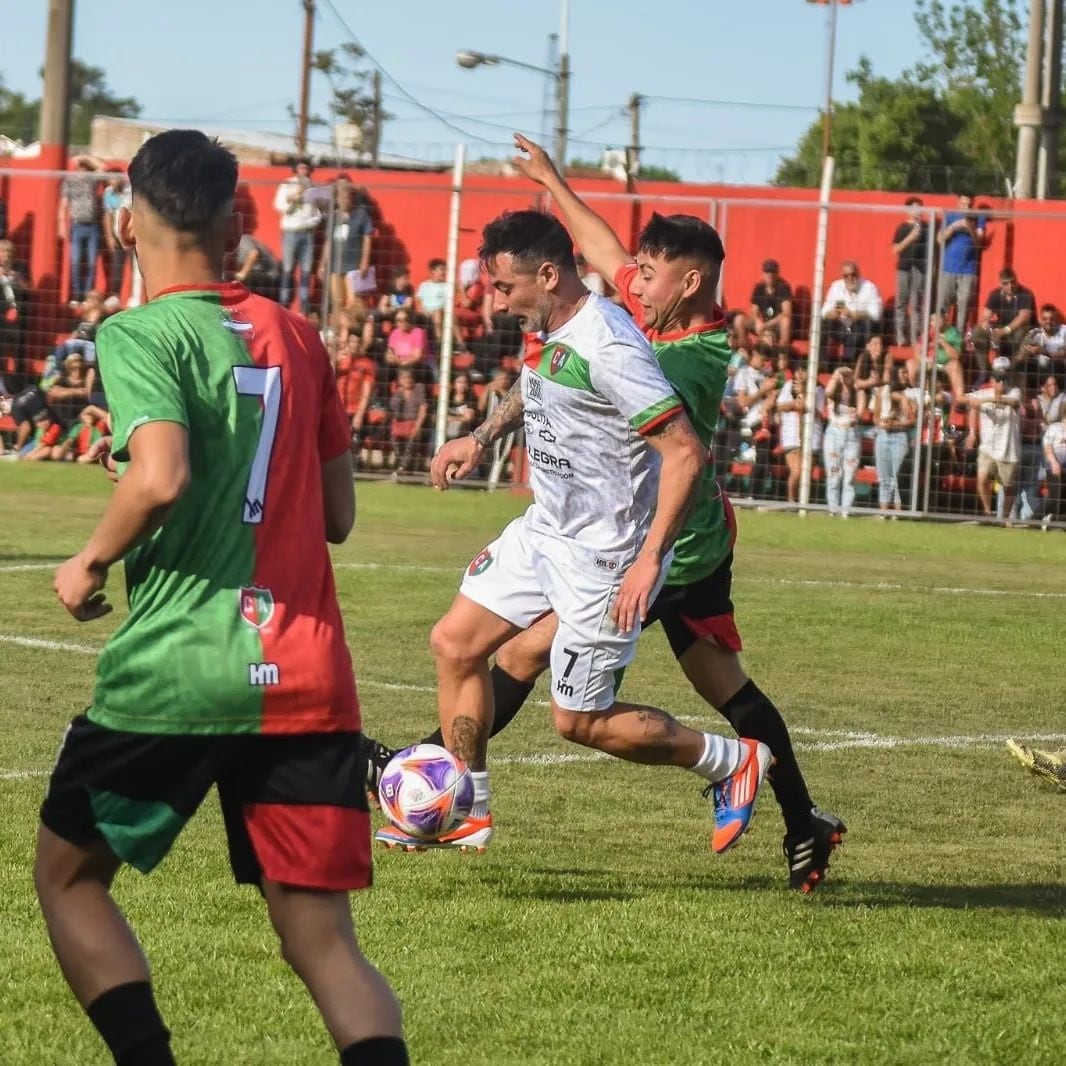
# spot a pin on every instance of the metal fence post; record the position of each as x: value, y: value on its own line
x: 447, y: 345
x: 927, y: 299
x: 815, y: 333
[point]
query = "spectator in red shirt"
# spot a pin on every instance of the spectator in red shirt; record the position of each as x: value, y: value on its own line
x: 47, y: 439
x: 356, y: 377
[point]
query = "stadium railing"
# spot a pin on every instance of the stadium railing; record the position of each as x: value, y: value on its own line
x: 934, y: 460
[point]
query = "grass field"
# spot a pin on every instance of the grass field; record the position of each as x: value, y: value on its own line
x: 599, y: 929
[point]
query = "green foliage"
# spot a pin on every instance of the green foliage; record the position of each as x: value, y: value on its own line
x: 944, y: 124
x: 90, y: 96
x: 653, y: 172
x: 599, y: 929
x: 351, y: 84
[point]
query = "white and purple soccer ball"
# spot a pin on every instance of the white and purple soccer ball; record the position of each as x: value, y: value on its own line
x: 426, y: 791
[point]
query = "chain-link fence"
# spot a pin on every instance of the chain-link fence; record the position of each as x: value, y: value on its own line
x: 902, y: 359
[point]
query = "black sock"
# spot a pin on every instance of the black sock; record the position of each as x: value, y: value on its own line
x: 377, y: 1051
x: 752, y: 715
x: 508, y: 694
x: 130, y: 1023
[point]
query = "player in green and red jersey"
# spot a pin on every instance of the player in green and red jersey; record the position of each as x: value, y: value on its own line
x: 670, y: 289
x: 232, y: 668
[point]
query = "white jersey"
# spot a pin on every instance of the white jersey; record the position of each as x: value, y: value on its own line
x: 595, y: 389
x: 1001, y: 427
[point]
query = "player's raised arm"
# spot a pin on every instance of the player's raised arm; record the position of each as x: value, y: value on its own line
x: 602, y: 249
x: 683, y: 458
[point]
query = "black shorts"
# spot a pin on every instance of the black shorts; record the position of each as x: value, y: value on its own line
x: 294, y: 806
x: 701, y: 610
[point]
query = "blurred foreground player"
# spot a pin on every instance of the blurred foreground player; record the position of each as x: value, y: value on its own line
x: 232, y: 668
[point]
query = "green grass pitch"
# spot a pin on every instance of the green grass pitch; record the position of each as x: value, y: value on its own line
x: 599, y: 928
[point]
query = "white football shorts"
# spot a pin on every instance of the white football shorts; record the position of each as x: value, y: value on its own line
x: 524, y: 574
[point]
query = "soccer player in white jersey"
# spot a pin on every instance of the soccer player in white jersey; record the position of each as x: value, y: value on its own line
x: 614, y: 466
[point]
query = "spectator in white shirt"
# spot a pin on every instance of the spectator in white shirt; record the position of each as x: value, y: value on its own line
x: 1055, y: 458
x: 841, y: 441
x: 851, y: 313
x: 791, y: 421
x: 431, y: 297
x: 994, y: 406
x: 299, y: 220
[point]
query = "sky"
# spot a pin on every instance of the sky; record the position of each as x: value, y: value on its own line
x: 757, y: 68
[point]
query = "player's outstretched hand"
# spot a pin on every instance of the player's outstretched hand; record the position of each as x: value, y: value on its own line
x: 456, y: 459
x: 634, y: 594
x: 100, y: 452
x: 536, y: 164
x: 78, y: 587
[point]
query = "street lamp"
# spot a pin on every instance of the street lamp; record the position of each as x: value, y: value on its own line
x: 469, y: 59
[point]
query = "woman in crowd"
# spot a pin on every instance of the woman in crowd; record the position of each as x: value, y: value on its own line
x: 408, y: 346
x: 462, y: 408
x: 841, y: 441
x: 791, y: 411
x: 894, y: 418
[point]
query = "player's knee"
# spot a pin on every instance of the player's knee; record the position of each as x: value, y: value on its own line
x: 521, y: 663
x: 574, y: 726
x: 446, y: 645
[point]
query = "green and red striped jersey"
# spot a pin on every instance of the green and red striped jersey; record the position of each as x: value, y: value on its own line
x: 234, y: 625
x: 695, y: 362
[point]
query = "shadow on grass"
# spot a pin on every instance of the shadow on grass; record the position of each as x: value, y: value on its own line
x: 575, y: 885
x: 1046, y: 899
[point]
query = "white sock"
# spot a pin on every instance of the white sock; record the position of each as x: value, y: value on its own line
x: 721, y: 757
x: 481, y: 793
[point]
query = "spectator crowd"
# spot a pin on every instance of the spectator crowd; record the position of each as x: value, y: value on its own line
x: 978, y: 381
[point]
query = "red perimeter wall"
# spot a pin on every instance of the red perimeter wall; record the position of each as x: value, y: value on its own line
x: 412, y: 209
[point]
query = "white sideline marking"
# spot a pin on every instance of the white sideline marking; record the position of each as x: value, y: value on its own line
x: 783, y: 582
x: 840, y: 739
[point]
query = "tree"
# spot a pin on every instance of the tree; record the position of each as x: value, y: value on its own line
x: 945, y: 124
x: 18, y: 116
x: 89, y: 96
x: 353, y: 99
x: 654, y: 172
x: 897, y: 135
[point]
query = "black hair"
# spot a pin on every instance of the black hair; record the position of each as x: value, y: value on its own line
x: 913, y: 201
x: 530, y: 238
x: 186, y: 178
x: 434, y: 263
x: 1049, y: 307
x: 677, y: 236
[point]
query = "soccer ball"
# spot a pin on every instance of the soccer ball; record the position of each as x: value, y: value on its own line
x: 426, y: 791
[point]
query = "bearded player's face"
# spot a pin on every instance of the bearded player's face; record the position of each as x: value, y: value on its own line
x: 520, y: 293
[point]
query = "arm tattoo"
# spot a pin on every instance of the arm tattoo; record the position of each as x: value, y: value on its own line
x: 470, y: 741
x: 506, y: 416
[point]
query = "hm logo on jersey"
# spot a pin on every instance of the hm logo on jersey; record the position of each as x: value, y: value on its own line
x: 257, y: 605
x: 262, y: 674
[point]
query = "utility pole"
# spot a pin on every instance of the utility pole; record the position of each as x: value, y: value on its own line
x: 1051, y: 103
x: 46, y: 258
x: 562, y: 88
x: 375, y: 143
x: 633, y: 151
x: 1028, y: 114
x: 55, y: 103
x: 305, y: 77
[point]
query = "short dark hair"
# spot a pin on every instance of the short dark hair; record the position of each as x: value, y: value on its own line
x: 676, y: 236
x: 913, y: 201
x: 187, y: 178
x: 437, y: 262
x: 1049, y: 307
x: 530, y: 238
x: 1007, y: 274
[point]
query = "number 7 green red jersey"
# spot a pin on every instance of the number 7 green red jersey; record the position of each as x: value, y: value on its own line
x: 234, y: 625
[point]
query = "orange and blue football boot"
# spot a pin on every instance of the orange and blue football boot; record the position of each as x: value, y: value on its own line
x: 734, y: 796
